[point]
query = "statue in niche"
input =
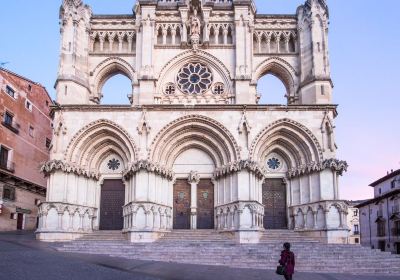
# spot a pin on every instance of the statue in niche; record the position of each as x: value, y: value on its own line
x: 195, y: 27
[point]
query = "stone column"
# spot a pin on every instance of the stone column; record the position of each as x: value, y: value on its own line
x: 193, y: 180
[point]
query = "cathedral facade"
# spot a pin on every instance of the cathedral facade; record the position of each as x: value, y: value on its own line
x: 194, y: 150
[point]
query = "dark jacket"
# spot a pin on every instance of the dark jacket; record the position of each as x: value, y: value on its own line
x: 287, y: 259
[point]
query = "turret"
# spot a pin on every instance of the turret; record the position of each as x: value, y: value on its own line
x: 72, y: 84
x: 315, y: 82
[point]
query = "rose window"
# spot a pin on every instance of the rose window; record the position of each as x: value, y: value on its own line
x: 194, y: 78
x: 273, y: 163
x: 113, y: 164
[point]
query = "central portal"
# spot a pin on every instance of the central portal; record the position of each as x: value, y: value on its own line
x: 111, y: 203
x: 203, y: 208
x: 274, y: 200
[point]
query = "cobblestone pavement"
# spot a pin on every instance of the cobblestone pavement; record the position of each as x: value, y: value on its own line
x: 21, y: 257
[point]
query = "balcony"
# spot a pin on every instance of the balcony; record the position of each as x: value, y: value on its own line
x: 13, y: 127
x: 357, y: 232
x: 8, y: 166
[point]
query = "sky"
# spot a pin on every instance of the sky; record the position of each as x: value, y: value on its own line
x: 364, y: 40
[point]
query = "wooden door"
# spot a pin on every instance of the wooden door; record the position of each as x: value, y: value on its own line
x: 181, y: 204
x: 111, y: 203
x: 205, y: 204
x: 20, y: 221
x: 274, y: 200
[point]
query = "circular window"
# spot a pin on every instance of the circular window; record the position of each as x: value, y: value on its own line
x: 219, y: 88
x: 194, y: 78
x: 113, y: 164
x: 274, y: 163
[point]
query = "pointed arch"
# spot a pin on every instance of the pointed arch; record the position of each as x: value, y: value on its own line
x: 282, y: 70
x: 200, y: 56
x: 99, y: 138
x: 194, y: 131
x: 291, y: 140
x: 105, y: 70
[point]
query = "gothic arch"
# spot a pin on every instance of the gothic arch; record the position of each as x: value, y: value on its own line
x: 281, y: 69
x: 194, y: 131
x: 295, y: 143
x: 107, y: 69
x: 201, y: 56
x: 89, y: 145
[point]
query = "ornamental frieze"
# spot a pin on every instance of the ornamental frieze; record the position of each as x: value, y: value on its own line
x: 59, y: 165
x: 338, y: 166
x: 237, y: 166
x: 149, y: 167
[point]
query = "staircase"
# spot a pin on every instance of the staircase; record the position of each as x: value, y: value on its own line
x: 208, y: 247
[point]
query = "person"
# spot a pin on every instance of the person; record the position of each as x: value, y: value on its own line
x: 288, y: 261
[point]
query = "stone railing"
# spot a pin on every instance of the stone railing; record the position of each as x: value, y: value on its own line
x: 323, y: 215
x: 147, y: 216
x: 64, y: 217
x: 240, y: 215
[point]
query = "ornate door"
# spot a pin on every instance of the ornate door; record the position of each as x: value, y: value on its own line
x: 182, y: 204
x: 205, y: 204
x: 111, y: 203
x: 274, y: 200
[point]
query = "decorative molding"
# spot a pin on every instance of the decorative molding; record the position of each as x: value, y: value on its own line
x: 335, y: 165
x: 149, y: 167
x: 59, y: 165
x: 251, y: 166
x: 194, y: 177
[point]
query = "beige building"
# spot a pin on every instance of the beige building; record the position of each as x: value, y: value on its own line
x: 380, y: 216
x: 194, y: 150
x: 353, y: 222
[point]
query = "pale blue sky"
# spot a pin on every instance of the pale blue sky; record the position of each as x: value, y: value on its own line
x: 364, y: 48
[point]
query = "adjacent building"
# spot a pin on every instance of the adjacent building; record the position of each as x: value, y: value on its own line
x: 353, y: 222
x: 380, y: 216
x: 25, y: 139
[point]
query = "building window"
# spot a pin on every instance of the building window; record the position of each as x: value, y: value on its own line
x: 396, y: 229
x: 29, y: 87
x: 3, y: 157
x: 8, y: 193
x: 10, y: 91
x: 31, y: 131
x: 356, y: 213
x: 356, y: 229
x: 393, y: 184
x: 8, y: 118
x: 28, y: 105
x: 356, y: 240
x: 48, y: 143
x: 381, y: 229
x: 380, y: 191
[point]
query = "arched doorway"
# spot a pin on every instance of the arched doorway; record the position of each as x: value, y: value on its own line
x: 274, y: 201
x: 111, y: 203
x: 194, y: 191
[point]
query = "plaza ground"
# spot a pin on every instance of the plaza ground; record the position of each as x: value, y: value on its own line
x: 22, y: 257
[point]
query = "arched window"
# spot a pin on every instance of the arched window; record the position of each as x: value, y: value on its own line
x: 116, y: 90
x: 271, y: 90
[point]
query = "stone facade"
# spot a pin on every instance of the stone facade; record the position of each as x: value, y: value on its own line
x: 194, y: 114
x: 380, y: 216
x: 25, y: 139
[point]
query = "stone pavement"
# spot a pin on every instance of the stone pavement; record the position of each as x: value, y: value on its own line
x: 21, y: 257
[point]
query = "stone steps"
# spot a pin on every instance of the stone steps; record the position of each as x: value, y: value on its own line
x: 208, y: 247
